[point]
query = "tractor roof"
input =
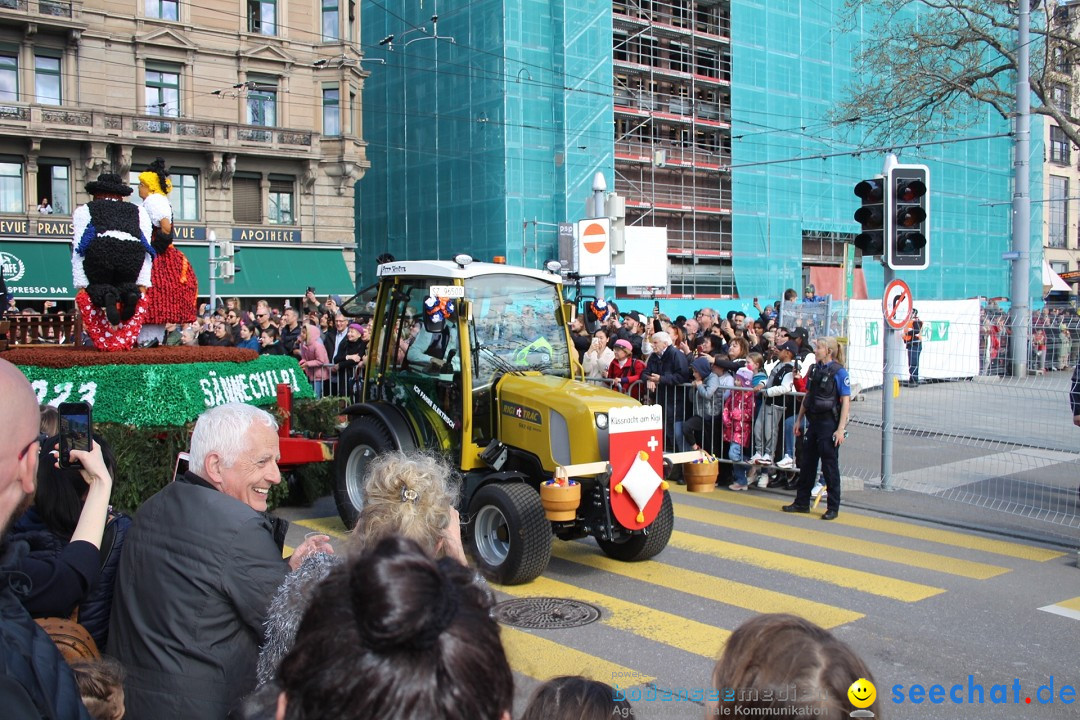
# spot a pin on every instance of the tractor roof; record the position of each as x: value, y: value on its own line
x: 451, y: 270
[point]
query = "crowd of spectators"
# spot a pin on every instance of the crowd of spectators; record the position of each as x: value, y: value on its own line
x: 729, y: 386
x: 400, y: 627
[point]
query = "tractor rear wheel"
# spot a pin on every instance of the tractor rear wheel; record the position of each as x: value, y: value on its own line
x: 511, y: 535
x: 642, y: 547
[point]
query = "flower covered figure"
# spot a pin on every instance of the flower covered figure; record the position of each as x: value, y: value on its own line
x: 173, y: 295
x: 111, y: 264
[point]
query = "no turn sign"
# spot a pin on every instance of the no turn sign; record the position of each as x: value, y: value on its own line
x: 897, y: 304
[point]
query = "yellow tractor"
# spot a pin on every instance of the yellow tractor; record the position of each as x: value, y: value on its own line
x: 474, y: 360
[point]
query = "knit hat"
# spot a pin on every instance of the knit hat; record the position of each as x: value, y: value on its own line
x: 745, y: 375
x: 356, y: 326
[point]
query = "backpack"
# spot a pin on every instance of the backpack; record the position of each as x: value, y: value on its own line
x: 822, y: 397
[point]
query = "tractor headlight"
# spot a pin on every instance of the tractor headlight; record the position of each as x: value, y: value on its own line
x: 601, y: 421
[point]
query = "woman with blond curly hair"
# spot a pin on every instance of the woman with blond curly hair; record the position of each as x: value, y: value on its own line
x: 405, y: 495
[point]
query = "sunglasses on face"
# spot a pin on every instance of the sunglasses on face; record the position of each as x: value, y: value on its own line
x: 41, y: 437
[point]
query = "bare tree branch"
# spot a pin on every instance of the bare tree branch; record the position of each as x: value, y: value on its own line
x: 928, y: 66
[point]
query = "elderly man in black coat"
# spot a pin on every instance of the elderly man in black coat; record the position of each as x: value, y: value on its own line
x: 199, y: 568
x: 666, y: 374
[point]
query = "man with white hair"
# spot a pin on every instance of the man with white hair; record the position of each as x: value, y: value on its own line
x: 199, y: 568
x: 34, y: 679
x: 665, y: 372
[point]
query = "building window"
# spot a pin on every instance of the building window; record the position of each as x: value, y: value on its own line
x: 1059, y: 146
x: 331, y: 111
x: 47, y: 79
x: 262, y: 102
x: 11, y: 187
x: 331, y: 20
x: 163, y: 90
x: 185, y: 195
x: 163, y: 9
x: 280, y: 210
x: 9, y: 77
x: 1059, y: 211
x: 262, y: 17
x: 53, y: 182
x: 247, y: 198
x: 1061, y: 99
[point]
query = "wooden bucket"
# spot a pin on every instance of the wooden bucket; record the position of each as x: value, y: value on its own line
x: 701, y: 477
x: 560, y: 501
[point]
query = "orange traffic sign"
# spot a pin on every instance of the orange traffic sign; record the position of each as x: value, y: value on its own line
x: 897, y: 304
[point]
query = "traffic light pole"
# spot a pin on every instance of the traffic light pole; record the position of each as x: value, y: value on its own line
x: 212, y: 236
x: 1020, y: 311
x: 888, y: 369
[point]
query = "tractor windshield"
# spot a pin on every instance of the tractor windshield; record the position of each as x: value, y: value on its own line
x: 514, y: 326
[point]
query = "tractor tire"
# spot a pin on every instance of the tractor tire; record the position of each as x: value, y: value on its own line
x: 360, y: 443
x: 511, y: 535
x: 642, y: 547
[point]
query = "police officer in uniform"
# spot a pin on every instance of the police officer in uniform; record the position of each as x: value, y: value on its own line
x: 826, y: 406
x: 913, y: 340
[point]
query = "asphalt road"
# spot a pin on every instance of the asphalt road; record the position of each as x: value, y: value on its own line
x: 920, y: 602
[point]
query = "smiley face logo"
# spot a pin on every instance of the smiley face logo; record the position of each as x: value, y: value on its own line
x: 862, y: 693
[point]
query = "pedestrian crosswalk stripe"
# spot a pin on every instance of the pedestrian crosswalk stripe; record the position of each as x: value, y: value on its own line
x: 1066, y: 608
x: 657, y: 625
x: 893, y: 527
x: 823, y: 572
x: 542, y: 659
x: 721, y: 590
x: 845, y: 544
x: 331, y: 526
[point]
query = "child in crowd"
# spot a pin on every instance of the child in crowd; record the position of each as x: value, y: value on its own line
x: 572, y: 697
x: 101, y: 685
x: 738, y: 420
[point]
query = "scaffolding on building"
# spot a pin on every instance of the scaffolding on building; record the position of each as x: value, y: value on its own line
x: 672, y: 106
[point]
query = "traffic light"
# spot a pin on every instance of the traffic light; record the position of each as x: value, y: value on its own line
x: 225, y: 260
x: 908, y: 246
x: 871, y: 216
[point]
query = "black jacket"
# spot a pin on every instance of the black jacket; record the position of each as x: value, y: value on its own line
x: 196, y: 576
x: 32, y: 669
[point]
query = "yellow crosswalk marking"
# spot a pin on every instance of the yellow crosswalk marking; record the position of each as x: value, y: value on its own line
x: 1066, y: 608
x: 824, y: 572
x: 542, y: 659
x: 865, y: 548
x: 696, y: 583
x: 894, y: 527
x: 663, y: 627
x: 331, y: 526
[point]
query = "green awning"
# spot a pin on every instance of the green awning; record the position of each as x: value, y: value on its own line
x: 276, y: 271
x: 39, y: 269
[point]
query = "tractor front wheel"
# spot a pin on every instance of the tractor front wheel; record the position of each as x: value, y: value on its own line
x: 511, y: 535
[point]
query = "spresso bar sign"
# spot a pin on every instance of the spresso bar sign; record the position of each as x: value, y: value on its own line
x: 65, y: 229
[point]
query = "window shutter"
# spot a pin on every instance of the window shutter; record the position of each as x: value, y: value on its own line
x: 247, y: 200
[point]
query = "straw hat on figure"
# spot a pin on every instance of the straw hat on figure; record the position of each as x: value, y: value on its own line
x: 173, y: 294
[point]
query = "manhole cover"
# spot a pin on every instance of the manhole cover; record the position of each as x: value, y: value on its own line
x: 544, y: 613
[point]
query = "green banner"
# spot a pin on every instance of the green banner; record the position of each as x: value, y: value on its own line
x: 936, y: 331
x: 161, y: 395
x: 873, y: 333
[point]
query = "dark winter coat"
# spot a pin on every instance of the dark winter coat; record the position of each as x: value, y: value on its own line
x: 196, y: 576
x: 32, y: 671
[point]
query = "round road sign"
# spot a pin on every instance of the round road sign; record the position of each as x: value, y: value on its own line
x: 897, y: 304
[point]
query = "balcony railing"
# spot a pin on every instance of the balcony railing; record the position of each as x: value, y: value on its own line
x: 647, y: 101
x: 34, y: 119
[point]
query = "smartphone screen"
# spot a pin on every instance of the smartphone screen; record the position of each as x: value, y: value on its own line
x: 75, y: 431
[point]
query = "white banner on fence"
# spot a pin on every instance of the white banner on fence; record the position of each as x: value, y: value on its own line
x: 950, y: 348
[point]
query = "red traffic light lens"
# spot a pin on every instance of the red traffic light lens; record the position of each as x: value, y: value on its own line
x: 910, y: 217
x: 910, y: 190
